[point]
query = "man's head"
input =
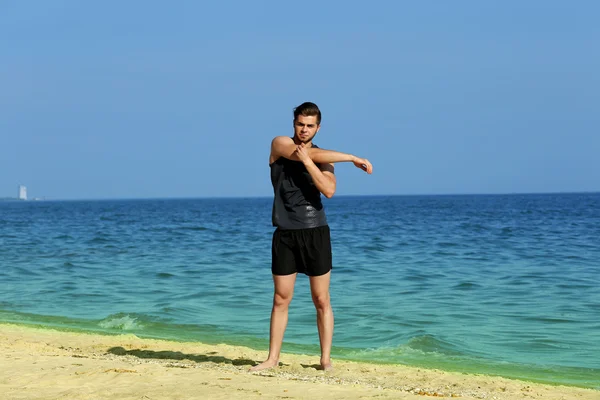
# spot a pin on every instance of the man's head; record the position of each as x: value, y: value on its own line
x: 308, y: 109
x: 307, y: 121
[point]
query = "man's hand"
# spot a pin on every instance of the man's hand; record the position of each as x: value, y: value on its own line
x: 302, y: 153
x: 363, y: 164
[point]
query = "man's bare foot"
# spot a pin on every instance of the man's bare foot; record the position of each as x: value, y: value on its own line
x: 326, y: 365
x: 265, y: 365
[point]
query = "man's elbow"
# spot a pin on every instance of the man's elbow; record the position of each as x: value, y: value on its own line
x: 329, y: 193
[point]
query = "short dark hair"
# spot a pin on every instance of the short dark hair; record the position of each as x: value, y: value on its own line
x: 308, y: 109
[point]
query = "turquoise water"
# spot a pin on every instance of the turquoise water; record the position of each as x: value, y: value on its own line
x: 499, y: 284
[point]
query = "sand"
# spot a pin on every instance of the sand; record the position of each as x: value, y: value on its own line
x: 51, y: 364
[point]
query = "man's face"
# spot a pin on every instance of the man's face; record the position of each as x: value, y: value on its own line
x: 305, y: 128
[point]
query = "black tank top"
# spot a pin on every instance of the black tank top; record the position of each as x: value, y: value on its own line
x: 297, y: 203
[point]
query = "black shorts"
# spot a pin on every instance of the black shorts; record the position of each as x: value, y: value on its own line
x: 307, y: 251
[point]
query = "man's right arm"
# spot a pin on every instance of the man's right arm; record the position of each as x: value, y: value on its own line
x: 283, y: 146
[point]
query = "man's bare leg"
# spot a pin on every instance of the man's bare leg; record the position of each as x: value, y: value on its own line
x: 319, y: 288
x: 284, y: 291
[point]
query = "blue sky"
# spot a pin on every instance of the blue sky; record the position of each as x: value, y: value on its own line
x: 145, y: 99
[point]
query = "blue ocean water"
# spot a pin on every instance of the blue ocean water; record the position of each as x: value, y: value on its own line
x: 495, y: 284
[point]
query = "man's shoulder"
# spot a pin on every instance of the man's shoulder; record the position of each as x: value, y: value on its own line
x: 282, y: 139
x: 276, y: 146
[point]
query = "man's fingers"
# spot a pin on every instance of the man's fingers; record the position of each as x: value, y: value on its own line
x: 364, y: 164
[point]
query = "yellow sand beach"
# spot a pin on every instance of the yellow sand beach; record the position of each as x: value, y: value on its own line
x: 48, y: 364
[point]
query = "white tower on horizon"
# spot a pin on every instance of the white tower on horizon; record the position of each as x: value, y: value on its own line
x: 22, y: 192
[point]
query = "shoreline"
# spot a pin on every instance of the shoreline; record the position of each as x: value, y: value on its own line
x: 42, y: 363
x: 552, y: 375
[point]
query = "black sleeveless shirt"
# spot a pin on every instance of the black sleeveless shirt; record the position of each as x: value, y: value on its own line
x: 297, y: 203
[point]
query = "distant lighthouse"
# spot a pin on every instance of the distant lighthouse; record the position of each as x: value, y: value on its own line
x: 22, y: 192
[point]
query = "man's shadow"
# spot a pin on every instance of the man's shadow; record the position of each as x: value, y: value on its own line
x: 313, y: 366
x: 199, y: 358
x: 177, y: 355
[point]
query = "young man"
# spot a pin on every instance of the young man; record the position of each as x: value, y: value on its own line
x: 300, y: 173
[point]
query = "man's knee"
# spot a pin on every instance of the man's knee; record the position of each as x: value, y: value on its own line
x: 321, y: 300
x: 282, y: 300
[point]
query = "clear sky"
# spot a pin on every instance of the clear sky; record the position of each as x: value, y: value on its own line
x: 137, y: 99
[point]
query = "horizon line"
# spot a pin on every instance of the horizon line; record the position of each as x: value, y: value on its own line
x: 43, y: 198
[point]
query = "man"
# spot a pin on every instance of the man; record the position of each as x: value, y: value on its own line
x: 300, y: 173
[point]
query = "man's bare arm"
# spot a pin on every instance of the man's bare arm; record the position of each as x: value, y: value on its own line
x: 323, y: 177
x: 283, y: 146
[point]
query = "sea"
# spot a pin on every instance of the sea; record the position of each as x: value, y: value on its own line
x: 505, y: 285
